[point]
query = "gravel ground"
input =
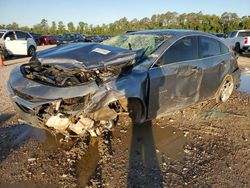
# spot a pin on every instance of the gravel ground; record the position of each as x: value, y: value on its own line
x: 206, y: 145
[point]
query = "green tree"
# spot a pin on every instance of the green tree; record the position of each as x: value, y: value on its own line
x: 14, y: 25
x: 53, y: 28
x: 71, y: 27
x: 44, y: 26
x: 245, y: 22
x: 82, y: 27
x: 61, y: 28
x: 2, y: 26
x: 25, y: 28
x: 230, y: 21
x: 37, y: 29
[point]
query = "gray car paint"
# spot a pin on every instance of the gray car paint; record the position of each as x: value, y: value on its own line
x: 161, y: 97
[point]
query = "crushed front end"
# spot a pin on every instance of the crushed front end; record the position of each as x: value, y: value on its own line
x: 66, y: 97
x: 68, y: 110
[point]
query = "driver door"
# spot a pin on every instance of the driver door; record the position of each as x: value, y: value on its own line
x: 15, y: 44
x: 175, y: 79
x: 9, y: 41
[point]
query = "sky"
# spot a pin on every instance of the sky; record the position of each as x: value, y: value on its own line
x: 30, y: 12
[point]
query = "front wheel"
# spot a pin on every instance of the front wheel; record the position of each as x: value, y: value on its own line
x: 31, y: 51
x: 226, y: 89
x: 237, y: 48
x: 135, y: 110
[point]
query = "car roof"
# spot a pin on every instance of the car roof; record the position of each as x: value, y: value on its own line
x: 172, y: 32
x: 5, y: 30
x: 246, y: 30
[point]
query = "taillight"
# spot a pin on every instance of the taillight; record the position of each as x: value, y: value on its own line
x: 245, y: 40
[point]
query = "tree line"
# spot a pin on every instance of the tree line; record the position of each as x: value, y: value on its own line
x: 170, y: 20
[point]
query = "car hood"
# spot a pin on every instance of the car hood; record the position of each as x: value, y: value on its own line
x: 86, y: 55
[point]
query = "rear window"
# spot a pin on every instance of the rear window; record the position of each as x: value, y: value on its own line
x: 244, y: 34
x: 185, y: 49
x: 22, y: 35
x: 1, y: 34
x: 223, y: 48
x: 209, y: 47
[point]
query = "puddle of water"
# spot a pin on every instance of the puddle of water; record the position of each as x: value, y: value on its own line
x: 5, y: 117
x: 245, y: 83
x: 150, y: 147
x: 151, y: 141
x: 170, y: 141
x: 88, y: 163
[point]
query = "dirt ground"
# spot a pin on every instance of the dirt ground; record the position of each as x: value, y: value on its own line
x: 206, y: 145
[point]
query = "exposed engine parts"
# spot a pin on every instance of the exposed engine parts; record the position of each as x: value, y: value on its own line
x: 62, y: 77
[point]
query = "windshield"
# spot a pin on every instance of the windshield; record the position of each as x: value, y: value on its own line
x: 137, y: 41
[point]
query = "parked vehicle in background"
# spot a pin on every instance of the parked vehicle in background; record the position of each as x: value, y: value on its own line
x: 58, y: 37
x: 93, y: 38
x: 84, y: 87
x: 71, y: 38
x: 105, y: 37
x: 37, y: 38
x: 18, y: 42
x: 239, y: 40
x: 48, y: 39
x: 220, y: 35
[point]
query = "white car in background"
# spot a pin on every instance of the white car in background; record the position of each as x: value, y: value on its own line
x: 17, y: 42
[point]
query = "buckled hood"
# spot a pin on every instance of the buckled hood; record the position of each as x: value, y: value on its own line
x: 86, y: 55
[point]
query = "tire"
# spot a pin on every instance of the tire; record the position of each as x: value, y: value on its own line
x: 31, y: 51
x: 226, y: 89
x: 237, y: 48
x: 135, y: 110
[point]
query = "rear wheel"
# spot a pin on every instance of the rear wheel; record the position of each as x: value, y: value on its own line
x: 226, y: 89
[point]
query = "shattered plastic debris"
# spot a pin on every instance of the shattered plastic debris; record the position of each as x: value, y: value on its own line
x: 82, y: 125
x: 58, y: 122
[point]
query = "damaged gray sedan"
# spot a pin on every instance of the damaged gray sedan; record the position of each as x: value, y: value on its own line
x: 83, y: 88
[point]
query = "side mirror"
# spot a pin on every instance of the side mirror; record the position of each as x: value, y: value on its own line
x: 7, y: 39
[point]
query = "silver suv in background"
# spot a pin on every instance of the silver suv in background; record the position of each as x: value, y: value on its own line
x: 17, y: 42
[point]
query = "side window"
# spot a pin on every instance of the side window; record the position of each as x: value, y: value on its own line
x: 11, y: 35
x: 21, y: 35
x: 208, y: 47
x: 183, y: 50
x: 232, y: 34
x: 223, y: 48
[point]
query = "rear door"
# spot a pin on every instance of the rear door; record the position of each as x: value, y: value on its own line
x: 216, y: 61
x: 175, y: 78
